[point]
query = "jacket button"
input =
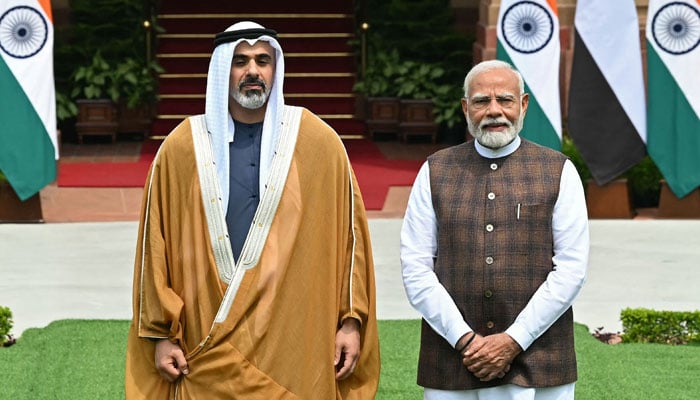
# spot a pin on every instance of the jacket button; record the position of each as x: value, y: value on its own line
x: 488, y: 293
x: 490, y: 325
x: 489, y: 260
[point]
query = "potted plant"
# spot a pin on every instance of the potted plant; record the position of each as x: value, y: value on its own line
x: 82, y: 52
x: 138, y: 92
x: 418, y: 86
x: 380, y: 94
x: 95, y: 86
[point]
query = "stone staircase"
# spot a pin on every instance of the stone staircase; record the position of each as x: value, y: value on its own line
x: 320, y: 66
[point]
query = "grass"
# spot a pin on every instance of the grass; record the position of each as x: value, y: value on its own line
x: 76, y: 359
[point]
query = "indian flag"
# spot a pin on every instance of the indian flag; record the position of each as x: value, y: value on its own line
x: 673, y: 64
x: 28, y: 146
x: 607, y: 106
x: 528, y: 39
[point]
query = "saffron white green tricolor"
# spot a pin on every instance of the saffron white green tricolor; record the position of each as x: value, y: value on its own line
x: 528, y: 39
x: 673, y: 64
x: 28, y: 145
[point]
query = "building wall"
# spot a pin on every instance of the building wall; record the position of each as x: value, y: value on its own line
x: 61, y: 12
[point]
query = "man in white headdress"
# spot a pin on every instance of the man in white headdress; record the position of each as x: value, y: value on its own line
x: 253, y: 276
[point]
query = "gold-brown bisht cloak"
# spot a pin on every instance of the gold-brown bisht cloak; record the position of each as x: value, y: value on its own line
x: 264, y: 328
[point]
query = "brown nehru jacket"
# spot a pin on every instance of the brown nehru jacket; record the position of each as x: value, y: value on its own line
x: 494, y: 251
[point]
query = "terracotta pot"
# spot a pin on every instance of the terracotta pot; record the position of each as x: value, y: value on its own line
x: 14, y: 210
x: 609, y: 201
x: 671, y: 206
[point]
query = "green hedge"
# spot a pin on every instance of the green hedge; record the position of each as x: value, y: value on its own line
x: 642, y: 325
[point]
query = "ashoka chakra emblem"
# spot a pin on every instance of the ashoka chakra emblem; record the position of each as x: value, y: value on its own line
x: 527, y: 27
x: 23, y: 32
x: 676, y: 28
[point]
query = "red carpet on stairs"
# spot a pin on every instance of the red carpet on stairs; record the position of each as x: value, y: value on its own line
x: 375, y: 173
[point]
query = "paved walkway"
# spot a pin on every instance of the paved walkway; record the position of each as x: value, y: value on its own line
x: 83, y: 270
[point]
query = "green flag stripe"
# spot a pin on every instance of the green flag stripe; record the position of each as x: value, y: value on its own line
x: 27, y: 155
x: 536, y: 127
x: 673, y: 129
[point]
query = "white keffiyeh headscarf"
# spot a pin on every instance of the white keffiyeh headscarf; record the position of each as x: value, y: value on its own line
x: 217, y: 98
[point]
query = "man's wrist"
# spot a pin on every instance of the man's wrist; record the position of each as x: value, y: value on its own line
x: 464, y: 342
x: 351, y: 322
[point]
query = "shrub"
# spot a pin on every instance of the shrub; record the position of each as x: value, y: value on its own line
x: 96, y: 80
x: 570, y: 150
x: 378, y: 79
x: 669, y: 327
x: 5, y: 324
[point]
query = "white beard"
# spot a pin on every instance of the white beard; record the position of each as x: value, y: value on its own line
x: 495, y: 140
x: 253, y: 100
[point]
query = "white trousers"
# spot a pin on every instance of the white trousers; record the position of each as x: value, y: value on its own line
x: 505, y: 392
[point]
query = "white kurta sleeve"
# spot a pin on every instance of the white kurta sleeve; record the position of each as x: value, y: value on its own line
x: 418, y: 252
x: 571, y: 245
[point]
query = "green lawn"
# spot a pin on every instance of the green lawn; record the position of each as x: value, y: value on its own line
x: 75, y: 359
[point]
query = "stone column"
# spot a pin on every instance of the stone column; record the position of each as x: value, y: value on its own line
x: 485, y: 44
